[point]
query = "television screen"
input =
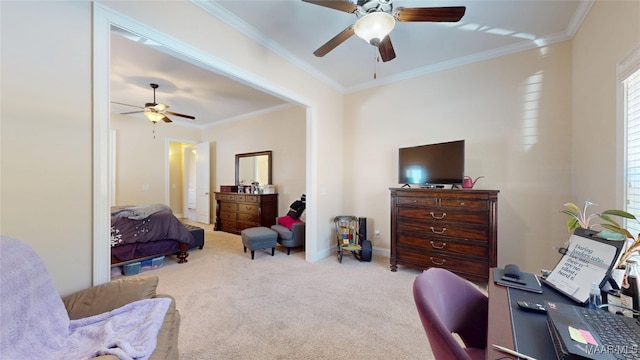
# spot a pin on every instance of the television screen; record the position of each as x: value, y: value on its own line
x: 441, y: 163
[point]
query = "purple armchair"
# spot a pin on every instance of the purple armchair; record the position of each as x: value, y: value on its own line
x: 450, y: 304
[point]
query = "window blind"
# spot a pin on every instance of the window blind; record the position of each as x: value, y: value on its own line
x: 632, y: 148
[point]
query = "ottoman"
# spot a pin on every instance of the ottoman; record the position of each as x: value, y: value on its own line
x: 258, y: 238
x: 198, y: 236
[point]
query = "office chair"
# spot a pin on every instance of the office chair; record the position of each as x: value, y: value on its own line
x: 449, y: 304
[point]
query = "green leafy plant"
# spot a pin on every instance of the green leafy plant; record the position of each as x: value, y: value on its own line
x: 580, y: 218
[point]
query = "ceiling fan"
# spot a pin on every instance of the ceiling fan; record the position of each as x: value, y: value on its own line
x: 154, y: 111
x: 376, y: 19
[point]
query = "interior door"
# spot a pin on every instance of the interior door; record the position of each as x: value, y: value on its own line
x: 203, y: 197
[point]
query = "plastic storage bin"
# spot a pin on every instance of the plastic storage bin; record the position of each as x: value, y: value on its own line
x: 131, y: 269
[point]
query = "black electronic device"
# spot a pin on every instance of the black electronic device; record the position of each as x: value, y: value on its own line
x: 525, y: 281
x: 432, y: 164
x: 531, y: 306
x: 512, y: 271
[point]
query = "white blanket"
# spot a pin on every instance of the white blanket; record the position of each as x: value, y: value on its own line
x: 34, y: 323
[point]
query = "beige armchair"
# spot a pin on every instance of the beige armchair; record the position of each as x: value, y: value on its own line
x: 116, y: 318
x: 114, y: 294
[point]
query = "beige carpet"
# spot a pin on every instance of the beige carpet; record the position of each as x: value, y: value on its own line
x: 283, y: 307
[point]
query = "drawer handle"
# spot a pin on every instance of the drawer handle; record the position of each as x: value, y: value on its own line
x: 433, y: 245
x: 438, y: 217
x: 436, y: 262
x: 437, y: 232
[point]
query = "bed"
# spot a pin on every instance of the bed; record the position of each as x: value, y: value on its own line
x: 145, y: 231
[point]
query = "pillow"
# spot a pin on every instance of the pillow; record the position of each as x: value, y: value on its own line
x: 288, y: 221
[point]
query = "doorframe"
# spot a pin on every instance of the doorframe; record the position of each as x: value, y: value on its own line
x: 103, y: 18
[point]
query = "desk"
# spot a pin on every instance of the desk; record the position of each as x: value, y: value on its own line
x: 499, y: 331
x: 532, y: 335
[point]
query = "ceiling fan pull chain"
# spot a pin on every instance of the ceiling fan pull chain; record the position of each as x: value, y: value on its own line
x: 376, y: 59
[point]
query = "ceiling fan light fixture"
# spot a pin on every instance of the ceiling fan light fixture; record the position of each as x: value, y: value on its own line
x: 373, y: 27
x: 154, y: 116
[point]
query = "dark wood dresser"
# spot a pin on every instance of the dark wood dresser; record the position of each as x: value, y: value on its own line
x: 236, y: 212
x: 452, y: 229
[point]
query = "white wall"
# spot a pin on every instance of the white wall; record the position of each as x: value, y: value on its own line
x: 141, y: 159
x: 283, y: 132
x: 610, y: 32
x: 513, y: 112
x: 45, y: 109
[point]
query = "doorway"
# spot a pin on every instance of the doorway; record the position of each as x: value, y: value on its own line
x: 188, y: 179
x: 104, y: 18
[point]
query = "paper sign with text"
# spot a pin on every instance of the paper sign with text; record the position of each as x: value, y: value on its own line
x: 585, y: 261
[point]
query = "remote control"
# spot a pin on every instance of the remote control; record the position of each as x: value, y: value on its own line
x: 534, y: 307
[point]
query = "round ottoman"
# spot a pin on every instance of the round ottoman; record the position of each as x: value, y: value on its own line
x: 258, y: 238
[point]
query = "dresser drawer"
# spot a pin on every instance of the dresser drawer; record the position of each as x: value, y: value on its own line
x: 226, y: 197
x: 444, y: 229
x: 248, y: 208
x: 450, y: 215
x: 227, y: 206
x: 245, y: 225
x: 226, y: 224
x: 443, y: 245
x: 228, y: 215
x: 251, y: 198
x: 428, y: 259
x: 251, y: 217
x: 464, y: 204
x: 422, y: 201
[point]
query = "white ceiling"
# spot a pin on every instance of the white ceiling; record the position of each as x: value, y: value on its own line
x: 294, y: 29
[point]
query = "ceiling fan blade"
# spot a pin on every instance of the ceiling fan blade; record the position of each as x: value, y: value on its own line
x: 132, y: 112
x: 181, y: 115
x: 166, y: 119
x: 335, y: 41
x: 336, y: 5
x: 119, y: 103
x: 434, y: 14
x: 386, y: 49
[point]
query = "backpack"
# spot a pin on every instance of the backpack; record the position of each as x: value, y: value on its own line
x: 297, y: 207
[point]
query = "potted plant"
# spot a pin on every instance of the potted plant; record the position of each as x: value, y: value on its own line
x: 609, y: 228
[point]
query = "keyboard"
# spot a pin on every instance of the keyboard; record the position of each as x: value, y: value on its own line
x: 620, y: 335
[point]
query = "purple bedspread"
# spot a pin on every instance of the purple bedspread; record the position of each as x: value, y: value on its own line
x: 159, y: 226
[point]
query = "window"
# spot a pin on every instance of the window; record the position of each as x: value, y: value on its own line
x: 629, y: 73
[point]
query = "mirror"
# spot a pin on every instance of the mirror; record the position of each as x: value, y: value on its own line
x: 252, y: 167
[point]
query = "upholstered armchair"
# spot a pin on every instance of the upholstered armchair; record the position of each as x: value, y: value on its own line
x: 290, y: 233
x: 124, y: 318
x: 449, y: 304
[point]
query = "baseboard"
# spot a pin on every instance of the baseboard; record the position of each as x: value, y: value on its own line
x: 381, y: 251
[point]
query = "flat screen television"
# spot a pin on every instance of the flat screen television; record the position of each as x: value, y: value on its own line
x: 432, y: 164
